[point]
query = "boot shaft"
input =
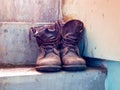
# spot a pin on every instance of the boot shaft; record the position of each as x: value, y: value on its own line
x: 47, y: 35
x: 72, y: 33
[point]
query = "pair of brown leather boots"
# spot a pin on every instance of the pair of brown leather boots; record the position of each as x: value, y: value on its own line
x: 59, y: 46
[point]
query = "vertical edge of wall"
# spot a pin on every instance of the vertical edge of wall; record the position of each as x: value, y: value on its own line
x: 60, y: 10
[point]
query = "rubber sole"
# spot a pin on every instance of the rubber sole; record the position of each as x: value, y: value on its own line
x: 74, y: 67
x: 50, y: 68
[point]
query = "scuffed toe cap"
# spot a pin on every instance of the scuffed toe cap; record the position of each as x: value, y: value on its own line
x: 73, y: 61
x: 49, y: 60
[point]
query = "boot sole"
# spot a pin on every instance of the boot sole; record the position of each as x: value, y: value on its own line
x: 51, y: 68
x: 74, y: 67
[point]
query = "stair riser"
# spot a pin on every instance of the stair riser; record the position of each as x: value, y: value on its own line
x: 15, y: 44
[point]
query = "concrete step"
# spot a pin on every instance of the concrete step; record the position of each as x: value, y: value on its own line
x: 29, y: 79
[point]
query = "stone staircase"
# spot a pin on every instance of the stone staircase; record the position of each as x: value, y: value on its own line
x: 18, y: 49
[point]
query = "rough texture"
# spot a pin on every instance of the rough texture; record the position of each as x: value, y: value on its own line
x: 29, y: 79
x: 15, y: 45
x: 16, y: 18
x: 29, y: 10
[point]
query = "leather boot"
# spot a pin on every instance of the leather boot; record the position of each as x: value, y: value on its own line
x: 71, y: 35
x: 48, y: 38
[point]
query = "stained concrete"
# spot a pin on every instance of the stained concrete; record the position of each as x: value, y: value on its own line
x: 17, y: 45
x: 29, y: 10
x: 29, y: 79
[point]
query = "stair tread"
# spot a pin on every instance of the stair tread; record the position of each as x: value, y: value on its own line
x: 22, y: 71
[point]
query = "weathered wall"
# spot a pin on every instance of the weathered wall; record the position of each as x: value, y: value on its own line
x: 16, y: 18
x: 15, y: 45
x: 102, y: 23
x: 29, y: 10
x: 101, y: 19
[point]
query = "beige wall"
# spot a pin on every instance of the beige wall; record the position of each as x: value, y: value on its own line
x: 102, y: 23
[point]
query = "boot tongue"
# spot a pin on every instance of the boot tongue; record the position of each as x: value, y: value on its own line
x: 70, y: 45
x: 70, y: 40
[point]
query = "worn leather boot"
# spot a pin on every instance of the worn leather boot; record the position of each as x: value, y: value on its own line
x: 71, y: 35
x: 48, y: 38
